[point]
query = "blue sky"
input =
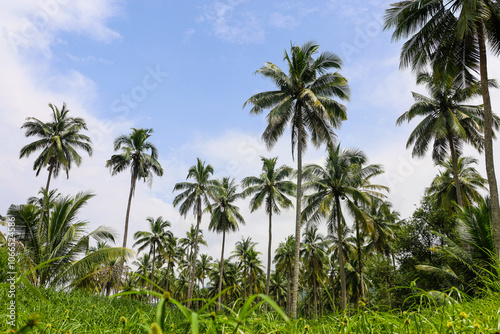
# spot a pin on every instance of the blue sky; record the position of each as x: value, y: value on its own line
x: 185, y: 68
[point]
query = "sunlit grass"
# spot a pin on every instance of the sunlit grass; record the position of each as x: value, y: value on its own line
x: 79, y: 312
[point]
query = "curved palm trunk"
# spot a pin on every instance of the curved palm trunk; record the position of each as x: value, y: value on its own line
x: 51, y: 169
x: 341, y: 257
x: 488, y: 138
x: 221, y: 268
x: 193, y: 266
x: 269, y: 251
x: 454, y: 161
x: 133, y: 180
x: 297, y: 222
x: 360, y: 261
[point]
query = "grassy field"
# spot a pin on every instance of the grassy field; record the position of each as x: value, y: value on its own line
x: 78, y: 312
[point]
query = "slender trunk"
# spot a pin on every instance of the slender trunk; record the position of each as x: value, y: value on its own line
x: 315, y: 291
x: 298, y: 221
x: 360, y: 261
x: 51, y: 169
x: 221, y: 268
x: 289, y: 293
x: 454, y: 162
x: 133, y: 180
x: 269, y: 250
x: 341, y: 257
x: 193, y: 266
x: 488, y: 139
x: 169, y: 267
x: 152, y: 273
x: 45, y: 205
x: 245, y: 284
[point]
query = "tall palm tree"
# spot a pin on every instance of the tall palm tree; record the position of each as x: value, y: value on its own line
x: 141, y: 156
x: 284, y: 258
x: 194, y: 196
x: 256, y: 283
x: 242, y: 253
x: 304, y: 99
x: 314, y: 256
x: 384, y: 220
x: 453, y: 33
x: 272, y: 188
x: 155, y: 239
x: 203, y: 268
x: 226, y: 216
x: 447, y: 121
x: 58, y: 140
x: 443, y: 187
x: 339, y: 181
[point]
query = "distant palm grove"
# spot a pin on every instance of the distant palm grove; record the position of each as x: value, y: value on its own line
x: 369, y: 254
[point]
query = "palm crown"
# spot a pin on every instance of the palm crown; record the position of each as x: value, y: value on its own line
x: 58, y: 140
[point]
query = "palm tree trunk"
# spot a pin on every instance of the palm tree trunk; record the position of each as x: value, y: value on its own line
x: 341, y: 258
x: 152, y: 272
x: 51, y: 169
x: 169, y: 267
x: 44, y: 202
x: 289, y: 293
x: 133, y: 179
x: 315, y: 289
x: 298, y: 221
x: 221, y: 268
x: 360, y: 261
x: 488, y: 139
x: 269, y: 250
x: 454, y: 161
x: 193, y: 266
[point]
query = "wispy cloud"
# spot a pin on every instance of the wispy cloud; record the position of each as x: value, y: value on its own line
x: 282, y: 21
x: 89, y: 59
x: 232, y: 23
x: 36, y: 24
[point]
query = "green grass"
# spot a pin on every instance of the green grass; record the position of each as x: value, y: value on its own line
x: 79, y: 312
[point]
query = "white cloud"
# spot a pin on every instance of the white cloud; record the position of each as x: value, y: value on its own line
x: 34, y: 24
x: 282, y: 21
x: 233, y: 24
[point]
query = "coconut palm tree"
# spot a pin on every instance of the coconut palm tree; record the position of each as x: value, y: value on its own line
x: 203, y: 268
x: 453, y: 34
x: 443, y: 187
x: 447, y: 122
x: 256, y: 282
x: 339, y: 181
x: 58, y: 140
x: 156, y: 240
x: 141, y: 156
x: 303, y: 98
x: 272, y: 188
x: 194, y: 196
x: 314, y: 257
x: 385, y: 225
x: 242, y: 253
x: 170, y: 255
x: 61, y: 241
x: 226, y: 216
x: 284, y: 258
